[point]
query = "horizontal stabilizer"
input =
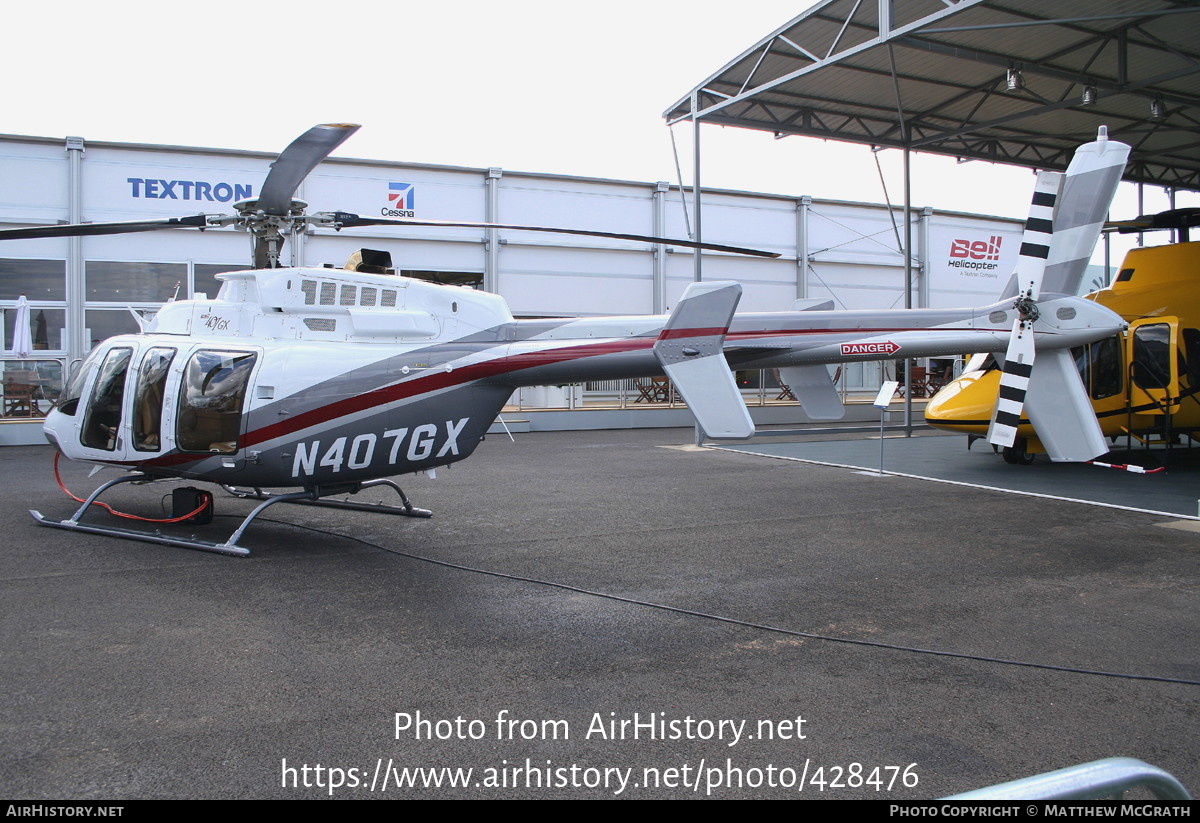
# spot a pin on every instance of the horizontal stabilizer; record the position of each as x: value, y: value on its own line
x: 813, y: 387
x: 690, y: 350
x: 1060, y: 410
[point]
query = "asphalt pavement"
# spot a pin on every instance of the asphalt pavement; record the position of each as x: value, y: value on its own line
x: 597, y: 614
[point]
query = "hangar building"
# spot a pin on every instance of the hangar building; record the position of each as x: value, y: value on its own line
x: 82, y: 290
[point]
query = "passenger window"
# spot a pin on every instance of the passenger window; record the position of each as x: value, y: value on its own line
x: 211, y: 400
x: 102, y: 423
x: 148, y: 401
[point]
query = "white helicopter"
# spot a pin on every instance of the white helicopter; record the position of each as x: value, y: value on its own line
x: 330, y: 381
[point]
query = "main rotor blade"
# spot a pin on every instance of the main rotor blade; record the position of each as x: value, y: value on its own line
x: 296, y: 161
x: 343, y: 220
x: 195, y: 221
x: 1172, y: 219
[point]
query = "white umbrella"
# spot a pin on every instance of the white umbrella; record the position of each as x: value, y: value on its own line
x: 22, y: 336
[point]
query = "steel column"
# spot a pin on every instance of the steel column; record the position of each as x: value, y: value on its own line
x: 491, y: 243
x: 77, y: 346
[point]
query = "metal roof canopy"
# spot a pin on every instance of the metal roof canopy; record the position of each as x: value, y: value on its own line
x: 997, y: 80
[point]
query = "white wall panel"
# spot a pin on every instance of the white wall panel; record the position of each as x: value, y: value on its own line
x: 567, y: 204
x: 546, y: 280
x: 843, y: 232
x: 33, y: 182
x: 434, y: 255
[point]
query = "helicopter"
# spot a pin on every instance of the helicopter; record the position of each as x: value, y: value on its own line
x: 323, y: 382
x: 1143, y: 383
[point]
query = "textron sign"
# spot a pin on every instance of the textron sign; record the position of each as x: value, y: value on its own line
x: 188, y: 190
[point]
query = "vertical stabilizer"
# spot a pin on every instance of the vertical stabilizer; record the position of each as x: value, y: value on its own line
x: 691, y: 351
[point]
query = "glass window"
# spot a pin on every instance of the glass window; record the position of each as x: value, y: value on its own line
x: 1191, y: 363
x: 74, y: 390
x: 30, y: 388
x: 1083, y: 364
x: 211, y: 399
x: 1106, y: 368
x: 36, y: 279
x: 1151, y: 356
x: 133, y: 282
x: 105, y: 323
x: 148, y: 402
x: 102, y: 422
x: 205, y: 277
x: 45, y: 325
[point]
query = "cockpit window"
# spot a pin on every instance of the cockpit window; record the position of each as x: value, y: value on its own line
x: 211, y: 400
x: 69, y: 401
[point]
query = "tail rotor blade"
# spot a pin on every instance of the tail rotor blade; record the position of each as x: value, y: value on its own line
x: 1083, y: 200
x: 1014, y: 385
x: 1031, y: 265
x: 1087, y: 192
x: 1064, y: 223
x: 1039, y: 232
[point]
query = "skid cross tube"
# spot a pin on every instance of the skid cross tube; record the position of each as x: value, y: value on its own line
x: 406, y: 508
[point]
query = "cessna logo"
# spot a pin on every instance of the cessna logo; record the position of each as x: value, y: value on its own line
x: 412, y: 446
x: 886, y: 347
x: 403, y: 200
x: 188, y: 190
x: 978, y: 258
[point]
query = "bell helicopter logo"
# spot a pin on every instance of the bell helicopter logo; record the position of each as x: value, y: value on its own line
x: 403, y: 200
x: 977, y: 258
x: 145, y: 187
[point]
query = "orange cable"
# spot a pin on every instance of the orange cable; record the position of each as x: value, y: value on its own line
x: 111, y: 510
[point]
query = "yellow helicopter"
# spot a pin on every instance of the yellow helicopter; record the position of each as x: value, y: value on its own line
x: 1143, y: 383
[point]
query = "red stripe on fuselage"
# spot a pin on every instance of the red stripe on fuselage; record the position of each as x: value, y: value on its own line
x: 671, y: 334
x: 479, y: 371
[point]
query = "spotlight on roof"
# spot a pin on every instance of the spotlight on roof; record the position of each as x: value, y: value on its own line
x: 1015, y: 80
x: 1158, y: 109
x: 1089, y: 96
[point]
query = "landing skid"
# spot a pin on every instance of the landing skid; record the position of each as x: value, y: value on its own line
x: 230, y: 547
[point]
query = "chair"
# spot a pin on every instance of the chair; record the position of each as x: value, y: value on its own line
x: 20, y: 390
x: 660, y: 389
x: 918, y: 382
x: 937, y: 381
x: 645, y: 391
x: 785, y: 391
